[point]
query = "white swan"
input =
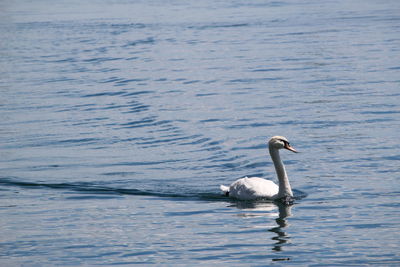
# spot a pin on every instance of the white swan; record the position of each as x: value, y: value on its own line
x: 256, y: 188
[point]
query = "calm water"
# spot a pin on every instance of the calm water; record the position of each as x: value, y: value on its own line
x: 120, y: 119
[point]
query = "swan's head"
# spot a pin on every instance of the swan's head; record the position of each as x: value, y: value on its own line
x: 279, y: 142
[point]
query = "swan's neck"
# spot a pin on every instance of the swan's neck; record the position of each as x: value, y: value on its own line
x: 284, y: 185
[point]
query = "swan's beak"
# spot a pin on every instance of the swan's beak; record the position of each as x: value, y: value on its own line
x: 288, y: 147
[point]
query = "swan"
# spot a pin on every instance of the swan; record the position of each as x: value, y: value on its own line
x: 256, y: 188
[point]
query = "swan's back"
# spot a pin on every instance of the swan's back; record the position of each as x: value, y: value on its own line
x: 253, y: 188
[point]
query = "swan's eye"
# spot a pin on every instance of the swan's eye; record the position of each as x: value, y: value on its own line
x: 284, y: 142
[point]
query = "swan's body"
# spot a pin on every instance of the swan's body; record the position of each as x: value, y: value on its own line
x: 251, y: 188
x: 257, y: 188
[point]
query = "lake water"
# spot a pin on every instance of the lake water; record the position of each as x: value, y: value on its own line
x: 120, y: 119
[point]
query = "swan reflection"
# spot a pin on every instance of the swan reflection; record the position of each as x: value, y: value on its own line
x: 281, y: 237
x: 272, y: 210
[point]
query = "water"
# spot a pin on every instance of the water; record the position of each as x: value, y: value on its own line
x: 120, y: 119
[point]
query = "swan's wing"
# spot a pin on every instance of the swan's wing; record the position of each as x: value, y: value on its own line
x: 253, y: 188
x: 263, y: 188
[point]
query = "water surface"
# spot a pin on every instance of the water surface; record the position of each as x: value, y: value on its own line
x: 120, y: 119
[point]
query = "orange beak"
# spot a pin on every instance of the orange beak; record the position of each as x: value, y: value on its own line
x: 288, y: 147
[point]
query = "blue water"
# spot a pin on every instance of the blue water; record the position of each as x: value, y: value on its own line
x: 120, y: 119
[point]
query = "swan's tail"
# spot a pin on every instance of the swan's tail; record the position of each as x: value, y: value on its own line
x: 224, y: 189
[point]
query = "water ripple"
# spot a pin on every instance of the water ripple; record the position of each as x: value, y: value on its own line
x: 92, y: 188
